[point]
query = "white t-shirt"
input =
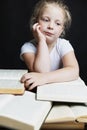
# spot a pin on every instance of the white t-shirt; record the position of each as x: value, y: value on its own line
x: 60, y: 49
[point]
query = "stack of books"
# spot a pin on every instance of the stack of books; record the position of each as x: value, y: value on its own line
x: 54, y: 106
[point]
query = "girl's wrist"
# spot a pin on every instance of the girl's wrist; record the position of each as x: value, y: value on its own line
x: 42, y: 41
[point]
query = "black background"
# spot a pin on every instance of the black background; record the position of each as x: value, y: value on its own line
x: 14, y: 31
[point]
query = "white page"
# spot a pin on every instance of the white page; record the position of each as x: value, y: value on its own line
x: 11, y: 86
x: 4, y: 99
x: 11, y: 73
x: 60, y: 113
x: 74, y: 91
x: 25, y: 109
x: 80, y: 111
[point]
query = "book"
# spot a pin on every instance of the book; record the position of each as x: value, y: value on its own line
x: 10, y: 81
x: 66, y: 116
x: 67, y: 112
x: 71, y: 91
x: 22, y: 112
x: 63, y: 126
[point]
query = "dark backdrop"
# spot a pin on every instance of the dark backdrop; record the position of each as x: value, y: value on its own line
x: 14, y: 31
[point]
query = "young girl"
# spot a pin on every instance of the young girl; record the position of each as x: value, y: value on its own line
x: 49, y: 57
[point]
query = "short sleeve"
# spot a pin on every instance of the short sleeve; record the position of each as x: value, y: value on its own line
x: 64, y: 47
x: 27, y: 47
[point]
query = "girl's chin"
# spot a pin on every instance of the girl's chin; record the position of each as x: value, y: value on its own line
x: 49, y: 40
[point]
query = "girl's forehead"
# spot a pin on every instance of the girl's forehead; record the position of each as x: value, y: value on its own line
x: 54, y: 10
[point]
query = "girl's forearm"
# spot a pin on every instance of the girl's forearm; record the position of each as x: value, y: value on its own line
x: 42, y: 58
x: 62, y: 75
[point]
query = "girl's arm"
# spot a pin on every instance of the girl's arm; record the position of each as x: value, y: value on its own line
x: 70, y: 71
x: 39, y: 62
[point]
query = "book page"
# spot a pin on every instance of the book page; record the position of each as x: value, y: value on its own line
x: 4, y: 99
x: 11, y: 87
x: 72, y: 91
x: 11, y: 73
x: 60, y: 113
x: 24, y: 112
x: 80, y: 112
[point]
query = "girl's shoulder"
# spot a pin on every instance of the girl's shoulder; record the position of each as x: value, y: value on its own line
x: 30, y: 43
x: 63, y: 46
x: 29, y: 47
x: 61, y: 42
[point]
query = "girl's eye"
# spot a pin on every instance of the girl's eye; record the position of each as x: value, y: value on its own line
x: 45, y: 19
x: 58, y: 24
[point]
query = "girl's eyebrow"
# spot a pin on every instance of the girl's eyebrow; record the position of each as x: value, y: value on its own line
x: 57, y: 20
x: 48, y: 17
x: 44, y: 16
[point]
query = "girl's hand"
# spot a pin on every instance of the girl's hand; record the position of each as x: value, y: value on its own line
x: 32, y: 80
x: 39, y: 36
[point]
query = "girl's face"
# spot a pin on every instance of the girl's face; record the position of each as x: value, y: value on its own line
x: 51, y: 22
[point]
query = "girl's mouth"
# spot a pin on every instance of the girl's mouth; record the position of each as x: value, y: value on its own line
x: 48, y: 34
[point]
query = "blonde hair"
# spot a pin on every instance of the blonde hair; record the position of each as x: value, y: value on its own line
x: 40, y: 7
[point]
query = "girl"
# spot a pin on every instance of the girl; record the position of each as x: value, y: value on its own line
x: 49, y: 57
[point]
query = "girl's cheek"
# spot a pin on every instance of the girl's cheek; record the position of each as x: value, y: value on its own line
x: 41, y: 28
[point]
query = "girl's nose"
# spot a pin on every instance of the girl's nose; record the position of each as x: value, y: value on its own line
x: 51, y: 25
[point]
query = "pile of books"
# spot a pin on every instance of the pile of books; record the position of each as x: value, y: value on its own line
x: 54, y: 106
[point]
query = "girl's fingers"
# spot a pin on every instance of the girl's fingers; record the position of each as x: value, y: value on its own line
x: 32, y: 86
x: 25, y: 77
x: 29, y: 82
x: 35, y: 26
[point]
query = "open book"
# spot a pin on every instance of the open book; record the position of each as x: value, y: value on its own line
x: 66, y: 116
x: 72, y: 91
x: 67, y: 112
x: 10, y: 81
x: 23, y: 112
